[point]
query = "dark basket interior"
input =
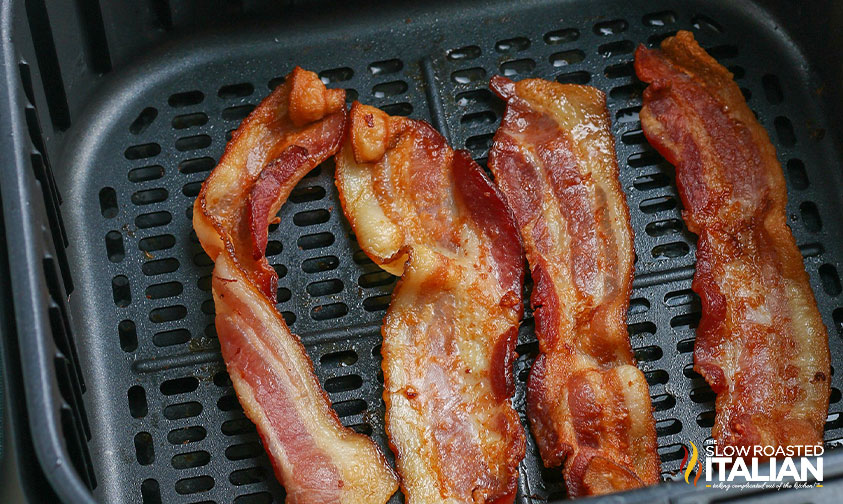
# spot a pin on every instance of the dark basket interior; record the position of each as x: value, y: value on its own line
x: 120, y: 149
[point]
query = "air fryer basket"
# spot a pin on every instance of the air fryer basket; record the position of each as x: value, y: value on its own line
x: 127, y: 396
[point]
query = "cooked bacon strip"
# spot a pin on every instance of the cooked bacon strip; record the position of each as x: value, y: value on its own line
x: 761, y: 343
x: 295, y: 128
x: 553, y: 158
x: 255, y: 174
x: 423, y: 211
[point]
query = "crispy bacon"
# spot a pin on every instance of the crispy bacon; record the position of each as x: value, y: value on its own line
x: 295, y: 128
x: 553, y: 158
x: 423, y: 211
x: 761, y: 343
x: 267, y: 155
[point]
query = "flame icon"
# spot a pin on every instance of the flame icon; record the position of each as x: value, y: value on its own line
x: 694, y: 462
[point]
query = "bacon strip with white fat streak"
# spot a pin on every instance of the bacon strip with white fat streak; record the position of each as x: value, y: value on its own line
x: 295, y: 128
x: 423, y: 211
x: 761, y: 343
x: 553, y: 158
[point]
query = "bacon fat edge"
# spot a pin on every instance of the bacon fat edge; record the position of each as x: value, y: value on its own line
x: 553, y: 158
x: 299, y: 125
x: 429, y: 214
x: 761, y: 343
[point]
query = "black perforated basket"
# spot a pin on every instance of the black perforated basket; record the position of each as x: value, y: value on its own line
x: 114, y: 113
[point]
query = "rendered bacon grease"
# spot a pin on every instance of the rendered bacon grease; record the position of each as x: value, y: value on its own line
x: 553, y: 157
x: 429, y: 214
x: 295, y: 128
x: 761, y: 343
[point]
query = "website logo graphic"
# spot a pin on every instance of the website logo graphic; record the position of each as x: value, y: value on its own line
x: 757, y: 466
x: 693, y: 462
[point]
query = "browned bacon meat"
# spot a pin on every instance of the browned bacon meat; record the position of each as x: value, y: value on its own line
x: 761, y: 343
x: 553, y: 157
x: 295, y: 128
x: 429, y: 214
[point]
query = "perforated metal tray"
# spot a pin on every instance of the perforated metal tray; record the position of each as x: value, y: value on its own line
x: 151, y: 414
